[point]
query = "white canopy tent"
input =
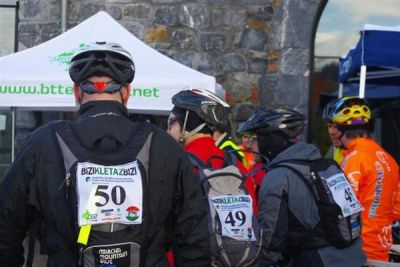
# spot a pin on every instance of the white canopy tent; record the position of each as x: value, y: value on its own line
x: 37, y: 78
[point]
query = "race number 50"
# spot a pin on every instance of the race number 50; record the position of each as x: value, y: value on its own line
x: 117, y: 193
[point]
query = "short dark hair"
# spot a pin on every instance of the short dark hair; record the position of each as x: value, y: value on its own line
x: 351, y: 134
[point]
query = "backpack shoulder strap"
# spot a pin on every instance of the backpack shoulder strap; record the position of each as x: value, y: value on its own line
x: 32, y: 234
x: 229, y: 158
x: 255, y: 170
x: 144, y: 153
x: 60, y: 129
x: 196, y: 161
x: 36, y: 222
x: 144, y: 157
x: 294, y: 165
x: 68, y: 156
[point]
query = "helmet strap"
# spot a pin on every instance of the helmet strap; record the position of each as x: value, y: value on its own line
x: 122, y: 97
x: 81, y: 96
x: 184, y: 136
x: 220, y: 138
x: 341, y: 136
x: 194, y: 131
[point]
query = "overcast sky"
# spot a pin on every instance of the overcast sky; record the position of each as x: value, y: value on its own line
x: 341, y: 21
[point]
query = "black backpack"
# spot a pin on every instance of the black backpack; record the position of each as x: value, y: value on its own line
x: 338, y: 206
x: 111, y: 244
x: 229, y: 208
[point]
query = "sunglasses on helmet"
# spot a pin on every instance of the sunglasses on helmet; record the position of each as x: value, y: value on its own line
x: 96, y: 87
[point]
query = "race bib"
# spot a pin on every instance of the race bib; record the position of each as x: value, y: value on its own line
x: 343, y: 194
x: 109, y: 194
x: 112, y: 255
x: 235, y: 215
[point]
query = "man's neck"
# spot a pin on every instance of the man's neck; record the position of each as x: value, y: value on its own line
x: 346, y: 140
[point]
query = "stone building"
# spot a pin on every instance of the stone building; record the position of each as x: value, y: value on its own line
x: 259, y: 50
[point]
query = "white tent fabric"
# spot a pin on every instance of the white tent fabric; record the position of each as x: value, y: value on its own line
x: 374, y: 27
x: 38, y: 78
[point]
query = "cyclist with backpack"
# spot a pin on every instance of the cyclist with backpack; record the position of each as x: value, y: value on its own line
x: 102, y: 190
x: 373, y: 174
x: 294, y: 225
x: 229, y: 196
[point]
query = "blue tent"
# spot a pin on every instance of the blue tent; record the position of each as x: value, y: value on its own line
x: 379, y: 50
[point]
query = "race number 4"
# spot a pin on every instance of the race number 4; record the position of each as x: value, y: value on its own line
x: 348, y: 195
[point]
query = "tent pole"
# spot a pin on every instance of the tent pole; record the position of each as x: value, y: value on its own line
x: 64, y: 6
x: 363, y: 74
x: 340, y: 92
x: 12, y: 134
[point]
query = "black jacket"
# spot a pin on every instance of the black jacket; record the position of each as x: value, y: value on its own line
x: 31, y: 189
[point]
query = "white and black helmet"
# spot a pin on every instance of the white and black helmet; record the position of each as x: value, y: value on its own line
x: 102, y: 58
x: 204, y: 104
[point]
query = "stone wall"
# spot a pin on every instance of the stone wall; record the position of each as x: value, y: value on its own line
x: 259, y: 50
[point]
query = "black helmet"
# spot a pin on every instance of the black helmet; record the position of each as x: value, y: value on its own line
x: 274, y: 119
x: 206, y: 105
x: 102, y: 58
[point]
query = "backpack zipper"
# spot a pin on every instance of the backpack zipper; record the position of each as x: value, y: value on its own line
x: 67, y: 182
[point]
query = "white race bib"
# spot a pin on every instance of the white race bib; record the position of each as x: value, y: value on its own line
x: 343, y: 194
x: 235, y: 215
x: 109, y: 194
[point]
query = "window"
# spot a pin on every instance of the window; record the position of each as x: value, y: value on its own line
x: 8, y: 44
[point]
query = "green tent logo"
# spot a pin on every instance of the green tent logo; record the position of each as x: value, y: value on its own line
x: 65, y: 57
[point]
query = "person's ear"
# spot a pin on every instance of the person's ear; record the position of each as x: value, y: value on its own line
x: 126, y: 92
x: 77, y: 93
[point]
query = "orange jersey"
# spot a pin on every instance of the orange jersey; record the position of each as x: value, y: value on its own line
x: 249, y: 158
x: 374, y: 176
